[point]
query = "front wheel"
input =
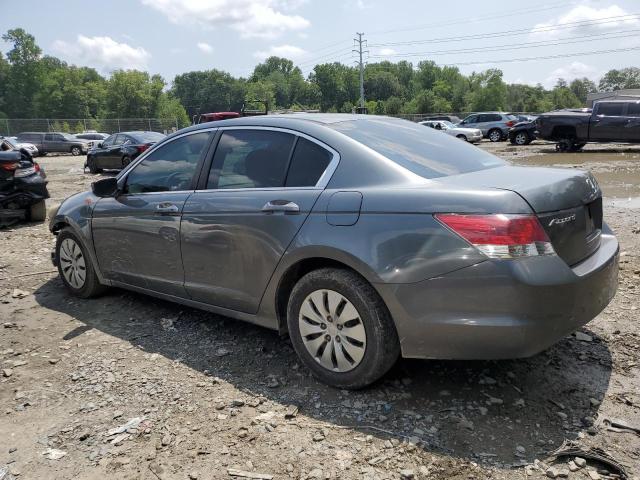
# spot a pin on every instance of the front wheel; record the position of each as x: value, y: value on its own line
x: 75, y: 267
x: 462, y: 137
x: 75, y: 151
x: 522, y: 138
x: 495, y: 135
x: 93, y: 168
x: 341, y: 329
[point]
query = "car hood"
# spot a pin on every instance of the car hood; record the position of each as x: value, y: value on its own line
x: 544, y: 189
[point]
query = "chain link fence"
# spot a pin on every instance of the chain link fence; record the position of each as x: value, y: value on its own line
x: 13, y: 126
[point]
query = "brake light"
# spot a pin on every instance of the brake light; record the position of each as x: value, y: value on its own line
x: 510, y: 123
x: 499, y: 235
x: 142, y: 148
x: 9, y: 167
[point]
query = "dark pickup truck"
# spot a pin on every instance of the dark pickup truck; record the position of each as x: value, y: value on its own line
x: 613, y: 121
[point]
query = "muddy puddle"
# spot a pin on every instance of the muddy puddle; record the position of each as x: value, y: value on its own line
x: 618, y: 173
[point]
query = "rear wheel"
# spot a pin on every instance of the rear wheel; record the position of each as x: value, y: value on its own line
x: 495, y: 135
x: 75, y: 267
x: 38, y: 211
x: 341, y: 329
x: 75, y: 151
x: 462, y: 137
x: 126, y: 161
x: 93, y: 168
x: 521, y: 138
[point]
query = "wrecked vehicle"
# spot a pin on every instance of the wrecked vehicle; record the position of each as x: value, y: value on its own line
x: 611, y: 121
x: 362, y: 237
x: 23, y: 189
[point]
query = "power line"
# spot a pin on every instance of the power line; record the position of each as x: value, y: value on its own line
x: 505, y: 33
x: 473, y: 19
x: 331, y: 54
x: 496, y: 48
x: 544, y: 57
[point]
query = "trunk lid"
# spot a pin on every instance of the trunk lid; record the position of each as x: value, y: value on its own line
x: 568, y: 203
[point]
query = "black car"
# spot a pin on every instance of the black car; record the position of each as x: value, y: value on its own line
x: 23, y: 188
x: 120, y: 149
x: 523, y: 133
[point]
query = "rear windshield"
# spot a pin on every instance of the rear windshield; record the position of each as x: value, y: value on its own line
x: 423, y: 151
x: 147, y: 137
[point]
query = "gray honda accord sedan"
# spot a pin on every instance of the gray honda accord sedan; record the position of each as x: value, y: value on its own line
x: 363, y: 238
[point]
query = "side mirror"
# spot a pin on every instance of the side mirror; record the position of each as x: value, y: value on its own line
x: 107, y: 187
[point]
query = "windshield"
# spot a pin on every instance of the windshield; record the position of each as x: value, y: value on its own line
x: 147, y: 137
x: 448, y: 124
x: 424, y: 152
x: 11, y: 142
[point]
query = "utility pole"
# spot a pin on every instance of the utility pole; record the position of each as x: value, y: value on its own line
x: 359, y: 51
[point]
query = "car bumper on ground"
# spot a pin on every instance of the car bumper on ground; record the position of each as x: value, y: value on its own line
x: 502, y: 309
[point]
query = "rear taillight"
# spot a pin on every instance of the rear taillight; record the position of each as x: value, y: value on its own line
x: 142, y: 148
x: 501, y: 236
x: 9, y: 166
x: 510, y: 123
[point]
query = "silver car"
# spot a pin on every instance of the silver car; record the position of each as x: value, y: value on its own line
x: 363, y: 238
x: 472, y: 135
x: 494, y: 125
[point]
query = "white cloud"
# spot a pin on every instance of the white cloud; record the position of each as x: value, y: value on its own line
x: 570, y: 72
x: 252, y: 18
x: 584, y: 13
x: 287, y: 51
x: 387, y: 51
x: 205, y: 48
x: 103, y: 53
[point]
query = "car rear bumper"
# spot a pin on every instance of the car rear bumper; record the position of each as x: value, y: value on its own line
x: 502, y: 309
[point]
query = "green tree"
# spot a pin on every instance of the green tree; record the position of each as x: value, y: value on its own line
x: 133, y: 94
x: 24, y: 76
x: 581, y: 87
x: 382, y: 85
x: 393, y: 106
x: 337, y: 84
x: 562, y: 97
x: 620, y: 79
x: 487, y: 91
x: 171, y: 112
x: 209, y: 91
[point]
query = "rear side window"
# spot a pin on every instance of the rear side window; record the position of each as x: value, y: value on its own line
x: 421, y: 151
x: 50, y: 137
x: 633, y: 109
x: 169, y: 168
x: 308, y: 163
x: 610, y: 109
x: 250, y: 159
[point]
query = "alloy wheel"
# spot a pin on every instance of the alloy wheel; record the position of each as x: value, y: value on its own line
x: 72, y: 263
x: 332, y: 330
x: 495, y: 136
x: 521, y: 138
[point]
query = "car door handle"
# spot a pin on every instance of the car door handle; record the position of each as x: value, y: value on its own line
x: 281, y: 206
x: 167, y: 207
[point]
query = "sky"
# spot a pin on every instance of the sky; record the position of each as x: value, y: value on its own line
x: 170, y: 37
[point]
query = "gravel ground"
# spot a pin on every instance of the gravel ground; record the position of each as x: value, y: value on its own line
x: 128, y: 386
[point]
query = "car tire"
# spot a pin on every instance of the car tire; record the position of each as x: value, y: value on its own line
x: 365, y: 326
x: 495, y: 135
x: 126, y: 160
x: 462, y: 137
x: 91, y: 163
x: 42, y: 154
x: 38, y: 211
x: 75, y: 151
x: 74, y: 266
x: 521, y: 138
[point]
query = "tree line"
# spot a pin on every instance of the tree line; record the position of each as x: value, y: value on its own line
x: 33, y: 85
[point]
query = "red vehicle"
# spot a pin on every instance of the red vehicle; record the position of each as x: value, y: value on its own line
x: 244, y: 112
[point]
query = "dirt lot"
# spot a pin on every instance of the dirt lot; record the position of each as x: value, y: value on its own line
x: 205, y: 395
